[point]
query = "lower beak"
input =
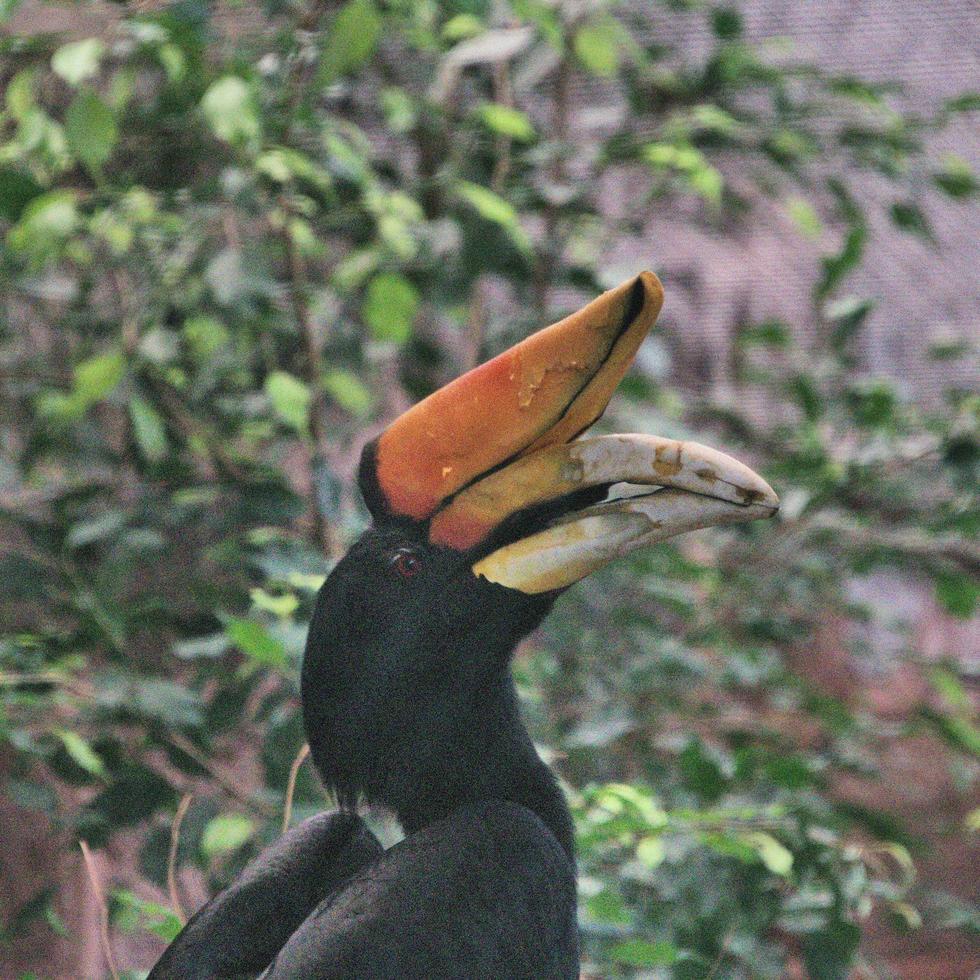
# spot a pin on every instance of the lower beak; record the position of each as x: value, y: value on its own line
x: 665, y: 487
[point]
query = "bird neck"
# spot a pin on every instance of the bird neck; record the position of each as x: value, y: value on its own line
x: 491, y: 757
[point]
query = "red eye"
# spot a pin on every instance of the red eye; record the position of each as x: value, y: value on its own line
x: 407, y: 564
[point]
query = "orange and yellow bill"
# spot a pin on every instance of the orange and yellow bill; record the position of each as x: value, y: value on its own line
x: 492, y: 464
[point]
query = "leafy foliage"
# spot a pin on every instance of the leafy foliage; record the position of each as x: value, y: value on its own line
x: 224, y: 257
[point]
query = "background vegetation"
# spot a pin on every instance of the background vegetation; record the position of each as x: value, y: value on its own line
x: 236, y: 240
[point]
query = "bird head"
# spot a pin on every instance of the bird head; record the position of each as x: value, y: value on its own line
x: 487, y: 503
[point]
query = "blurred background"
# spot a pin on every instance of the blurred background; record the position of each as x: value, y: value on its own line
x: 237, y: 239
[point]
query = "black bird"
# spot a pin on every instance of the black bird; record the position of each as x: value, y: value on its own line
x: 486, y: 506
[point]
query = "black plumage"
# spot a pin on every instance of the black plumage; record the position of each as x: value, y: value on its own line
x: 409, y: 704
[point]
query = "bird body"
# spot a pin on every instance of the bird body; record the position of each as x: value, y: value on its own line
x: 486, y: 506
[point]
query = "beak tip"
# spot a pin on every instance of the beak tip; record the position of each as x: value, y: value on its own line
x: 653, y: 294
x: 762, y: 495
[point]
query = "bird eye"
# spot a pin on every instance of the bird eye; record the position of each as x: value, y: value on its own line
x: 406, y: 563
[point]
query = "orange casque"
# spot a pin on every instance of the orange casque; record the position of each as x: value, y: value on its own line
x: 541, y: 392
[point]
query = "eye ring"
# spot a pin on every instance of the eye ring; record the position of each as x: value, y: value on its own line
x: 406, y: 562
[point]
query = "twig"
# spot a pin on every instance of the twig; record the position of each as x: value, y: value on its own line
x: 72, y: 685
x: 312, y: 360
x: 257, y: 806
x: 503, y: 94
x: 945, y: 547
x: 720, y: 958
x: 193, y: 431
x: 185, y: 802
x: 550, y: 249
x: 88, y: 603
x: 123, y: 288
x: 287, y: 812
x: 93, y: 878
x: 312, y: 345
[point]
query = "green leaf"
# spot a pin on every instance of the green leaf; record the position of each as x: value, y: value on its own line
x: 99, y: 528
x: 229, y: 107
x: 873, y: 402
x: 848, y: 316
x: 148, y: 430
x: 715, y: 119
x: 290, y: 399
x: 957, y: 593
x: 643, y: 953
x: 17, y: 190
x: 492, y: 207
x: 701, y: 772
x: 349, y: 392
x: 173, y: 61
x: 956, y: 178
x: 282, y: 606
x: 205, y: 335
x: 461, y: 27
x: 79, y: 60
x: 81, y: 752
x: 45, y: 222
x: 726, y: 22
x: 829, y: 953
x: 804, y: 217
x: 20, y: 93
x: 950, y: 687
x: 651, y: 851
x: 731, y: 846
x: 966, y: 102
x: 909, y: 217
x: 96, y: 377
x: 131, y: 913
x: 690, y: 162
x: 90, y: 129
x: 777, y: 858
x: 226, y: 832
x: 7, y: 9
x: 958, y: 730
x: 351, y: 39
x: 772, y: 333
x: 389, y: 307
x: 608, y: 907
x: 836, y: 267
x: 597, y: 46
x: 507, y: 121
x: 254, y: 640
x: 165, y: 700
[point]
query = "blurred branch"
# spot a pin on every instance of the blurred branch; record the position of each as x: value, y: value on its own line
x: 89, y: 604
x: 194, y: 432
x: 185, y: 802
x: 549, y: 250
x: 287, y: 812
x: 93, y: 877
x: 312, y: 361
x: 226, y: 782
x: 941, y: 548
x: 73, y: 685
x: 492, y: 47
x: 503, y: 93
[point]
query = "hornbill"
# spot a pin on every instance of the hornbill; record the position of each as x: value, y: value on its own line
x: 486, y: 506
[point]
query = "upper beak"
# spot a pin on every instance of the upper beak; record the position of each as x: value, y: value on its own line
x: 492, y: 452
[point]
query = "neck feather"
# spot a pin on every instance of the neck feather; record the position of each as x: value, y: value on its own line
x: 493, y: 759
